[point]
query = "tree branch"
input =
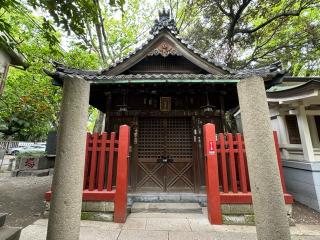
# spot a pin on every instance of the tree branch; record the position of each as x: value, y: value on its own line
x: 280, y: 15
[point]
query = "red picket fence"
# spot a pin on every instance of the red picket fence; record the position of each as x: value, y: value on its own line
x: 227, y: 177
x: 106, y: 170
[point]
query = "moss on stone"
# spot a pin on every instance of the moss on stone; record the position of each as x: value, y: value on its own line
x: 97, y: 216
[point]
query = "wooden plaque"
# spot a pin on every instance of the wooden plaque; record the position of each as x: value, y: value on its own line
x: 165, y: 104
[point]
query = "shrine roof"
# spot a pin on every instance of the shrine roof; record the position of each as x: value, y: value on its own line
x: 164, y: 40
x: 166, y: 24
x: 272, y: 72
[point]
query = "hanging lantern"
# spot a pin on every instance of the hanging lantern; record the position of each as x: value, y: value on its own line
x: 207, y: 109
x: 123, y: 108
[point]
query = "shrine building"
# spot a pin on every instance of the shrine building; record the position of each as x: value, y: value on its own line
x: 165, y: 91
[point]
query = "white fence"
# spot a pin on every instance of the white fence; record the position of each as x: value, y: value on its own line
x: 11, y: 144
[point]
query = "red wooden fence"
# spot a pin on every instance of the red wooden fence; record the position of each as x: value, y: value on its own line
x: 226, y: 164
x: 106, y: 170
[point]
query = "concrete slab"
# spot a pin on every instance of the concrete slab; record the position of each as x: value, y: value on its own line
x: 143, y: 235
x: 34, y: 232
x: 171, y: 224
x: 135, y: 223
x: 159, y: 226
x: 94, y: 233
x: 166, y: 207
x: 42, y: 222
x: 166, y: 215
x: 308, y: 230
x: 102, y: 225
x: 200, y: 225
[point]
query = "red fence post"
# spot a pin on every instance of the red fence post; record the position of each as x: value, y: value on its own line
x: 232, y: 164
x: 86, y: 165
x: 93, y: 163
x: 223, y: 164
x: 110, y: 163
x: 241, y: 165
x: 276, y: 142
x: 212, y: 174
x: 102, y: 161
x: 120, y: 201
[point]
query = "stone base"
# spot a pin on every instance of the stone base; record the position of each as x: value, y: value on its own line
x: 303, y: 182
x: 243, y: 214
x: 91, y: 210
x: 97, y: 216
x: 25, y: 173
x: 34, y: 163
x: 167, y: 198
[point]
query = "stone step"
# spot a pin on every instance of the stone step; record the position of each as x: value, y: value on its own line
x: 166, y: 207
x: 3, y: 219
x: 97, y: 216
x: 167, y: 198
x: 10, y: 233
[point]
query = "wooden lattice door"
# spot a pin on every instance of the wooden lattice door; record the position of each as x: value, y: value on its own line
x: 165, y: 161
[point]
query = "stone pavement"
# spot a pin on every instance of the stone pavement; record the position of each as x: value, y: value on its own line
x: 164, y: 226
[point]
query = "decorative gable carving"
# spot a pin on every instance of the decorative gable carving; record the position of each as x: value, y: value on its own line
x: 164, y: 49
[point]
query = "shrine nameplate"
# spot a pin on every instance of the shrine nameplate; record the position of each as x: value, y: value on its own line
x: 165, y: 104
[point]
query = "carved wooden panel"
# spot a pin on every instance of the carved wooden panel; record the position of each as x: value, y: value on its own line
x: 169, y: 138
x: 164, y: 49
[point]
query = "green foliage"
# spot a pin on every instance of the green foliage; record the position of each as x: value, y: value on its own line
x: 246, y: 33
x: 30, y: 154
x: 30, y: 104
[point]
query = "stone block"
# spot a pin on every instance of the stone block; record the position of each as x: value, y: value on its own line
x: 233, y: 219
x: 109, y: 206
x: 38, y: 173
x: 14, y: 173
x: 10, y: 233
x: 97, y: 216
x: 3, y: 217
x: 249, y: 219
x: 237, y: 209
x: 31, y: 163
x: 94, y: 206
x: 51, y: 171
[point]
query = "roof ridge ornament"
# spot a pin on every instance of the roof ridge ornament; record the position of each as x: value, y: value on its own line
x: 164, y: 21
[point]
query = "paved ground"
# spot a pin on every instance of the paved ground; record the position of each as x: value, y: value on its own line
x: 164, y: 226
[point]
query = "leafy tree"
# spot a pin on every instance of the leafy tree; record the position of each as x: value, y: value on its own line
x: 245, y: 33
x: 98, y: 27
x: 30, y: 104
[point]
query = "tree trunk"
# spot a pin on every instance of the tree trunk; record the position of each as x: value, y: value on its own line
x: 99, y: 123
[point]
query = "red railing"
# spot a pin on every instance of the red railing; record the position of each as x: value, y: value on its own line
x: 227, y: 171
x: 106, y: 170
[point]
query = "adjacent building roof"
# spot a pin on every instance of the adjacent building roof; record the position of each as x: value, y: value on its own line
x: 304, y: 90
x: 16, y: 58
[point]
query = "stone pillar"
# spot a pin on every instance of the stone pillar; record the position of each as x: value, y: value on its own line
x: 65, y: 208
x: 268, y: 200
x: 305, y: 135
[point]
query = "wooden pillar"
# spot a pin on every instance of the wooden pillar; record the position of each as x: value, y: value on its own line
x: 283, y: 134
x: 305, y: 135
x: 120, y: 201
x: 212, y: 175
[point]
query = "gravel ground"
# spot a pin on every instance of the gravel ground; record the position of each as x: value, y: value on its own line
x: 305, y: 215
x: 23, y: 198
